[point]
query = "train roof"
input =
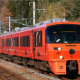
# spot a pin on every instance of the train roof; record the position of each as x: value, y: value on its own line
x: 38, y: 25
x: 51, y: 21
x: 42, y: 24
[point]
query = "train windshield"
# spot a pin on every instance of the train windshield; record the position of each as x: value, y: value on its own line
x: 63, y: 33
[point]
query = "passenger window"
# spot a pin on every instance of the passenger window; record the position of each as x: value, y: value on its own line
x: 28, y: 41
x: 38, y: 38
x: 20, y: 41
x: 2, y: 42
x: 25, y: 41
x: 15, y: 41
x: 8, y: 42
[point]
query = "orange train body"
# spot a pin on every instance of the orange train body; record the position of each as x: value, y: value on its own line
x: 61, y: 56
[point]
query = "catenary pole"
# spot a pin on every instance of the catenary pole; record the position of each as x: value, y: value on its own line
x: 33, y: 12
x: 9, y: 25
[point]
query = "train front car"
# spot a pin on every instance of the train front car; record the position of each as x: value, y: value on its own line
x: 63, y: 47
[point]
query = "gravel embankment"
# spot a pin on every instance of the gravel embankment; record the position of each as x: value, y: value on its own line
x: 25, y: 72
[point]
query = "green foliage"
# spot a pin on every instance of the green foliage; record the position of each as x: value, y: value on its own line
x: 75, y: 12
x: 69, y: 9
x: 19, y: 8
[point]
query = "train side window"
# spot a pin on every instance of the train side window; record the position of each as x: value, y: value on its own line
x: 25, y: 41
x: 2, y: 42
x: 16, y: 41
x: 38, y: 39
x: 8, y: 42
x: 28, y: 41
x: 13, y: 41
x: 21, y: 41
x: 35, y: 39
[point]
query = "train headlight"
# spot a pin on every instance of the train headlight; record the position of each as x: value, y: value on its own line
x: 57, y: 48
x: 61, y: 57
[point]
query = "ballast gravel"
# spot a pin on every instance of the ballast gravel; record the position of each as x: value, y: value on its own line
x: 26, y: 73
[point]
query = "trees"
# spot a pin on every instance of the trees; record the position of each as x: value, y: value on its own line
x: 69, y: 9
x: 4, y: 13
x: 19, y: 8
x: 75, y: 12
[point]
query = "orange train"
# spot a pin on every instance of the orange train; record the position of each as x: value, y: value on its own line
x: 53, y: 44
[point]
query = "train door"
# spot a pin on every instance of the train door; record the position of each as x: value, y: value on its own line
x: 39, y: 44
x: 8, y: 44
x: 15, y: 44
x: 2, y: 45
x: 26, y: 44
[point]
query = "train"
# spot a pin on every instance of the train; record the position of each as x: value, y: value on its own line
x: 52, y: 45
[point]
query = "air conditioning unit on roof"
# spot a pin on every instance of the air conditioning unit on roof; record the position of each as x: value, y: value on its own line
x: 51, y: 21
x: 5, y: 32
x: 17, y: 28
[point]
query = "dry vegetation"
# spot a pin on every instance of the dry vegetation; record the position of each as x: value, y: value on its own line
x: 56, y: 10
x: 4, y: 11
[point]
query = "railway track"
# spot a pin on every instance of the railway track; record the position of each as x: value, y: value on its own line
x: 8, y: 75
x: 47, y: 73
x: 32, y: 68
x: 60, y: 77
